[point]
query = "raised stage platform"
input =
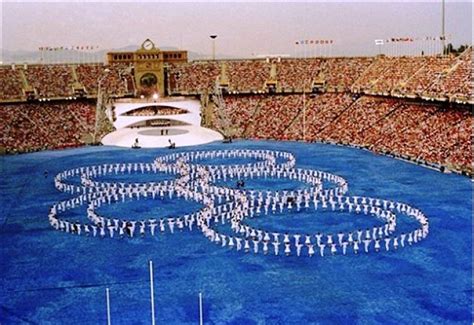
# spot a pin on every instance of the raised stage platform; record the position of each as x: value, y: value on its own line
x: 188, y: 135
x: 184, y: 129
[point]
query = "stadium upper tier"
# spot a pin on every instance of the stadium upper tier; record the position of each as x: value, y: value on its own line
x: 429, y: 77
x: 19, y: 83
x: 441, y: 77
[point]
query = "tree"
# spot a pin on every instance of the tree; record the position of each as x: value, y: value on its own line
x: 448, y: 49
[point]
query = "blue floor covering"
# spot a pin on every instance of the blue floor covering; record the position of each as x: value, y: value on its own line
x: 50, y: 277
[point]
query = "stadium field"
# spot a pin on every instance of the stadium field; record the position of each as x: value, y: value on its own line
x: 51, y: 277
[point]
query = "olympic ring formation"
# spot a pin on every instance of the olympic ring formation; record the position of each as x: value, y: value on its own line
x: 223, y: 205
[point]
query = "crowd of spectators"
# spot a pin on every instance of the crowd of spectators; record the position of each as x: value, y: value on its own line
x: 431, y: 71
x: 238, y: 115
x: 61, y: 81
x: 428, y: 76
x: 424, y: 132
x: 298, y: 73
x: 437, y: 133
x: 194, y: 77
x: 248, y: 75
x: 243, y: 112
x: 11, y: 85
x: 387, y: 73
x: 88, y: 75
x: 41, y: 126
x: 283, y: 114
x: 116, y: 79
x: 354, y: 124
x: 320, y: 111
x: 251, y: 75
x: 51, y: 81
x: 457, y: 82
x: 341, y: 73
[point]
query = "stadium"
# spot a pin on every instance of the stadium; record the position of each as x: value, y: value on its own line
x: 148, y: 187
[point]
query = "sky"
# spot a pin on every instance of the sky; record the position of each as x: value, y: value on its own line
x: 243, y: 29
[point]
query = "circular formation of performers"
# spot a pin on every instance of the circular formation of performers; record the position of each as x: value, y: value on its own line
x: 225, y: 205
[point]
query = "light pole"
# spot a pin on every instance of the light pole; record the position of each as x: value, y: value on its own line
x: 443, y: 35
x: 213, y: 37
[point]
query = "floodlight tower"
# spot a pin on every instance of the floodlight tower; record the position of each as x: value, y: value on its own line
x: 213, y: 38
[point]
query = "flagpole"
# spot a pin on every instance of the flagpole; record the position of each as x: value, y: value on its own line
x: 107, y: 298
x: 152, y: 294
x: 201, y: 318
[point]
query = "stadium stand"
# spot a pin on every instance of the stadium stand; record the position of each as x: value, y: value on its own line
x: 412, y: 107
x: 456, y: 82
x: 117, y: 80
x: 341, y: 73
x: 293, y: 74
x: 248, y: 75
x: 11, y: 85
x: 428, y: 133
x: 41, y: 126
x: 194, y: 77
x: 51, y: 81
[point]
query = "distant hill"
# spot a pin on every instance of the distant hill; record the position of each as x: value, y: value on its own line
x: 20, y: 57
